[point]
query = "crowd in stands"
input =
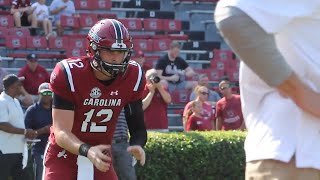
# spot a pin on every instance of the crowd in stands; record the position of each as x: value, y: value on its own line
x: 39, y: 14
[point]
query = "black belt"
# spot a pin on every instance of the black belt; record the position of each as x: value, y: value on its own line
x: 119, y: 140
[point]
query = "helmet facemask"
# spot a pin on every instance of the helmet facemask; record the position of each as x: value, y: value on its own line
x: 109, y: 69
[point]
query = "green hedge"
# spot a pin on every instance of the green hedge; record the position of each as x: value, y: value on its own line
x: 194, y: 156
x: 213, y: 155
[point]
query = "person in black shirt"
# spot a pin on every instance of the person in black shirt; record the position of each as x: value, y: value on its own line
x: 173, y: 69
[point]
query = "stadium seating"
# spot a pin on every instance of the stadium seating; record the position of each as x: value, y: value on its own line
x: 70, y: 21
x: 87, y: 20
x: 132, y: 23
x: 3, y: 32
x: 6, y: 21
x: 15, y: 42
x: 36, y: 42
x: 180, y: 97
x: 60, y: 43
x: 153, y: 24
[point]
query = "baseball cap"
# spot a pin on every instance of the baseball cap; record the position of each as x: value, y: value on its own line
x: 32, y: 56
x: 10, y: 79
x: 44, y: 87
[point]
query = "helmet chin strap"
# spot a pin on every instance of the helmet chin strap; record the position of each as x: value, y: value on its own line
x: 96, y: 65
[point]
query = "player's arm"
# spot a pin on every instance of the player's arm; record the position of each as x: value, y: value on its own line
x: 138, y: 133
x: 62, y: 119
x: 135, y: 120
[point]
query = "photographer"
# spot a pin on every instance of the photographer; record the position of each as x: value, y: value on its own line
x: 155, y: 101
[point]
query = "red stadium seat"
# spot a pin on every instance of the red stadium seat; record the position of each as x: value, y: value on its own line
x: 132, y: 23
x: 152, y: 24
x: 160, y: 36
x: 219, y: 64
x: 58, y: 43
x: 15, y: 42
x: 142, y: 44
x: 107, y: 15
x: 141, y: 36
x: 183, y: 37
x: 36, y: 42
x: 233, y: 75
x: 234, y: 64
x: 3, y: 31
x: 6, y: 21
x: 161, y: 44
x: 215, y: 75
x: 84, y: 5
x: 171, y: 25
x: 102, y: 4
x: 180, y: 97
x: 88, y: 20
x: 70, y: 21
x: 75, y: 52
x: 222, y: 54
x: 78, y: 43
x: 19, y: 32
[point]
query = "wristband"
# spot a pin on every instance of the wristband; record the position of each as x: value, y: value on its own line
x: 83, y: 149
x: 25, y: 131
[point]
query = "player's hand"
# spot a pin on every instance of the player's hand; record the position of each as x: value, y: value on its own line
x: 31, y: 134
x: 98, y: 158
x: 138, y: 153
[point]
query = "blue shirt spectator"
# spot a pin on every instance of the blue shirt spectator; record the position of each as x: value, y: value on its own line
x: 39, y: 118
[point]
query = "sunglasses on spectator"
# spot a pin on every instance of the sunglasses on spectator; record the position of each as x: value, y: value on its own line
x: 204, y: 93
x: 47, y: 93
x: 224, y: 87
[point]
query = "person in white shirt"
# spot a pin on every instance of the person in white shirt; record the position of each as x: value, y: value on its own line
x: 278, y: 43
x: 61, y: 7
x: 13, y: 150
x: 42, y: 13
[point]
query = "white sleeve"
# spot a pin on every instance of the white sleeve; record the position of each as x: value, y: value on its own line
x: 4, y: 113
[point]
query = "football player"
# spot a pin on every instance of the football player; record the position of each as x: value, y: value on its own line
x: 88, y: 95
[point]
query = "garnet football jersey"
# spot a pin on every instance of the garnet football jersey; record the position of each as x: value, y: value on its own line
x: 97, y: 106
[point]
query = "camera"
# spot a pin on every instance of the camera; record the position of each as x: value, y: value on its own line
x: 154, y: 79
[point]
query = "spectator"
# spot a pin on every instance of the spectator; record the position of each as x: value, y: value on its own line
x: 140, y: 59
x: 59, y: 8
x: 34, y: 74
x: 279, y: 83
x: 204, y: 81
x: 38, y: 117
x: 228, y: 109
x: 123, y: 162
x: 3, y: 73
x: 155, y: 102
x: 13, y: 149
x: 23, y: 14
x: 42, y: 13
x: 173, y: 69
x: 207, y: 110
x: 195, y: 121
